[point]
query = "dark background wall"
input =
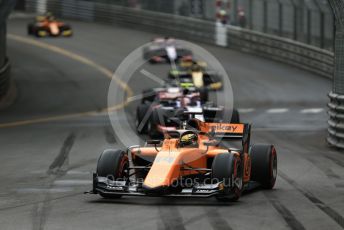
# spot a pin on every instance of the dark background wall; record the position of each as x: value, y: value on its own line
x: 5, y: 8
x: 2, y: 42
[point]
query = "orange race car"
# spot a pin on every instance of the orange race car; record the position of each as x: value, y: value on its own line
x: 194, y: 161
x: 47, y: 25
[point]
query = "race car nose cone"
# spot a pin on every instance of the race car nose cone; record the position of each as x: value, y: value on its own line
x: 156, y: 191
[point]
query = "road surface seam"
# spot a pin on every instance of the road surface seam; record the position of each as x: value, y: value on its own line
x: 216, y: 220
x: 171, y: 218
x: 334, y: 215
x: 57, y: 169
x: 285, y: 213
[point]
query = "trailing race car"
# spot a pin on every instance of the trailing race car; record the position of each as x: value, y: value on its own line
x: 163, y: 109
x: 192, y: 73
x: 165, y: 50
x: 47, y: 25
x: 191, y: 162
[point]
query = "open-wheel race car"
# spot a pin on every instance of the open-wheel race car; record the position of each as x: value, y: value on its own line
x: 47, y: 25
x: 162, y: 109
x: 165, y: 50
x: 194, y: 161
x: 192, y: 73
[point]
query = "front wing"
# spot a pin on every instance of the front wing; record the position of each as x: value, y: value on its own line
x: 103, y: 185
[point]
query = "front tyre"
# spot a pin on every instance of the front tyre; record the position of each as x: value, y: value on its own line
x: 114, y: 165
x: 264, y: 165
x: 227, y: 168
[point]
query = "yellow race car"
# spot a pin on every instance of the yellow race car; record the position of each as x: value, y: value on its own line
x: 195, y: 74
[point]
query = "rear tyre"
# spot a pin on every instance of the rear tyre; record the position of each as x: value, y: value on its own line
x: 148, y: 95
x: 204, y: 95
x: 264, y: 165
x: 30, y: 29
x: 227, y: 168
x: 141, y: 112
x: 114, y: 165
x: 152, y: 126
x: 146, y: 55
x: 235, y: 117
x: 40, y: 33
x: 66, y: 28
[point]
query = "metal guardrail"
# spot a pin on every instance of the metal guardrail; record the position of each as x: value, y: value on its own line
x: 336, y: 121
x: 5, y: 78
x: 298, y: 54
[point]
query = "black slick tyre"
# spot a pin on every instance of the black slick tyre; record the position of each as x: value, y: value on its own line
x: 113, y: 164
x: 264, y: 165
x: 227, y: 168
x: 235, y: 117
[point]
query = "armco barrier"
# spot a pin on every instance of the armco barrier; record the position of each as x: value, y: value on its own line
x: 276, y: 48
x: 298, y: 54
x: 336, y: 121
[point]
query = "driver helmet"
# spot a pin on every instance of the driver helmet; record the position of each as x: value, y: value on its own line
x: 189, y: 139
x: 49, y: 16
x: 196, y: 67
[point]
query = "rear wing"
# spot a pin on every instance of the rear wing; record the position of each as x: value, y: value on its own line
x: 227, y: 131
x: 223, y: 130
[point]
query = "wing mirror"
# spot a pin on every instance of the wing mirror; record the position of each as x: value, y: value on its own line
x: 154, y: 142
x: 211, y: 143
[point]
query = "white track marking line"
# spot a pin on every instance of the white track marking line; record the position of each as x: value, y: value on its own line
x: 152, y: 77
x: 246, y: 110
x: 277, y: 110
x: 289, y: 129
x: 134, y: 98
x: 139, y: 96
x: 70, y: 172
x: 74, y: 172
x: 43, y: 190
x: 312, y: 110
x: 72, y: 182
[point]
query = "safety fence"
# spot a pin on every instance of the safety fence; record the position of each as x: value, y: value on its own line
x: 304, y: 56
x: 308, y: 21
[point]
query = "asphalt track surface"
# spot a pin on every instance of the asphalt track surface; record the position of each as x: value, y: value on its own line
x: 47, y: 160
